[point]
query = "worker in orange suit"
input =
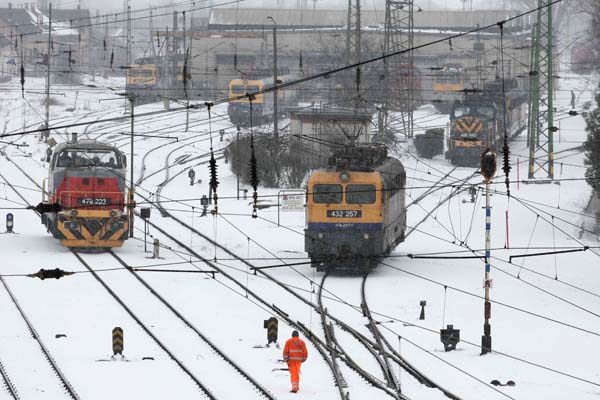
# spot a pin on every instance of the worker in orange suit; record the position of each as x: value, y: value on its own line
x: 294, y: 353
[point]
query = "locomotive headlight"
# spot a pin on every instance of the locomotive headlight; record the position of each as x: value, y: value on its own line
x: 344, y: 176
x: 320, y: 235
x: 115, y: 213
x: 366, y: 236
x: 73, y: 213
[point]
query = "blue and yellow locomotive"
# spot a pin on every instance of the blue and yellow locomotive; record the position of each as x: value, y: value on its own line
x: 480, y: 120
x: 355, y: 209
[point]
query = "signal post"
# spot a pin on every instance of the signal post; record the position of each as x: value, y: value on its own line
x: 488, y: 170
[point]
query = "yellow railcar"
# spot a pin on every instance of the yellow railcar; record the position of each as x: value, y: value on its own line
x: 262, y: 103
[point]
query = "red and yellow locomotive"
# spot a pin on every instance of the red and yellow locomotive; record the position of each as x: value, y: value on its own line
x: 87, y: 180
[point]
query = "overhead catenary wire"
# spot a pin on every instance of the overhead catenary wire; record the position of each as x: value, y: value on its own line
x: 331, y: 71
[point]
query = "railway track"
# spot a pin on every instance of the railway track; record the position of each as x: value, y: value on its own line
x: 326, y: 347
x: 320, y: 346
x: 389, y: 351
x: 220, y: 353
x: 207, y: 393
x: 393, y: 355
x: 44, y: 349
x: 8, y: 385
x: 389, y: 386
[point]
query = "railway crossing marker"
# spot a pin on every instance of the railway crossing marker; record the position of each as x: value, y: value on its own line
x: 271, y: 325
x: 117, y: 341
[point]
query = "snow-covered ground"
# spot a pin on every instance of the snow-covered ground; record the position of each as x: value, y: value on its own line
x: 544, y: 319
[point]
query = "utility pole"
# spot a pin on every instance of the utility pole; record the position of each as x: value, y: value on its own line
x: 478, y: 47
x: 131, y: 202
x: 128, y: 60
x: 541, y: 118
x: 185, y: 74
x: 151, y: 38
x: 47, y: 131
x: 275, y: 92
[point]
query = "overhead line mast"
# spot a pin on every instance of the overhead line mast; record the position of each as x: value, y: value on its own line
x: 399, y: 70
x: 541, y: 116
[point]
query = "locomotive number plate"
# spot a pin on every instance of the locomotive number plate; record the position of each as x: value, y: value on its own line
x: 344, y: 213
x: 93, y: 201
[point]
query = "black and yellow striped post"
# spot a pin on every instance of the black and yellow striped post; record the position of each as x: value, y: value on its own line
x: 271, y: 325
x: 117, y: 341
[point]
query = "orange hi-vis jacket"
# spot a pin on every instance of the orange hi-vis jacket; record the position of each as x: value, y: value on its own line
x: 295, y: 350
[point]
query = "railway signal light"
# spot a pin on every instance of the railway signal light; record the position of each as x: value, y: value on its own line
x: 204, y: 204
x: 145, y: 212
x: 192, y: 176
x: 10, y: 222
x: 488, y: 164
x: 271, y: 325
x: 450, y: 337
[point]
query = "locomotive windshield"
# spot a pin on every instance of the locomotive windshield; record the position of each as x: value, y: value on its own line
x: 486, y: 111
x: 238, y: 89
x: 327, y: 194
x: 360, y: 194
x: 89, y: 158
x: 462, y: 110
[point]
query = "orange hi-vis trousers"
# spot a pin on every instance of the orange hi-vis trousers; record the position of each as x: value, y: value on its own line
x: 294, y: 366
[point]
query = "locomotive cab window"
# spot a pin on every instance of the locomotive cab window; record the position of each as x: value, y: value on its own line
x: 327, y: 194
x: 488, y: 112
x: 238, y: 89
x: 360, y: 194
x: 83, y: 158
x: 253, y: 88
x: 462, y: 110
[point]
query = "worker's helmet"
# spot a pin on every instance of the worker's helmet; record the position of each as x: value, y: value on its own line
x: 295, y: 334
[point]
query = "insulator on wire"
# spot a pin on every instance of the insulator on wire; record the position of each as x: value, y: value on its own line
x: 50, y: 273
x: 22, y: 79
x: 506, y: 165
x: 214, y: 182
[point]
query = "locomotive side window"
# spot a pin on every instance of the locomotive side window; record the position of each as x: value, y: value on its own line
x: 360, y: 194
x: 327, y: 194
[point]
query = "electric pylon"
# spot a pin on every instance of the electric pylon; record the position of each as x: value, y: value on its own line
x: 400, y: 69
x: 541, y: 116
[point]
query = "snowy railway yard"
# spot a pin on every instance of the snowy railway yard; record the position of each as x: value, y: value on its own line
x: 199, y: 334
